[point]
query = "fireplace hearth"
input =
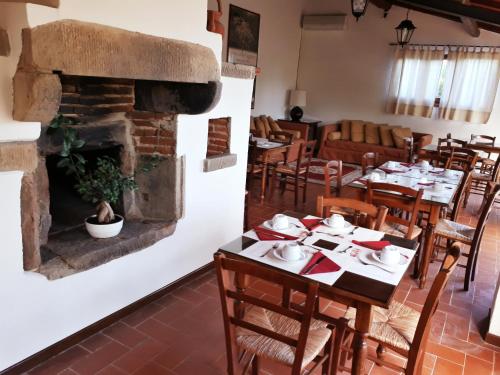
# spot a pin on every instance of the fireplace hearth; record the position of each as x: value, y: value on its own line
x: 125, y: 111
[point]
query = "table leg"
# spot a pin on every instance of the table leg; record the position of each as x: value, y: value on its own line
x: 263, y: 182
x: 360, y: 346
x: 428, y: 245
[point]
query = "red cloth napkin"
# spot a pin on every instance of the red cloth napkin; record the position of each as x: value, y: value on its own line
x: 389, y: 170
x: 374, y: 245
x: 265, y: 234
x: 407, y: 165
x: 326, y: 265
x: 311, y: 224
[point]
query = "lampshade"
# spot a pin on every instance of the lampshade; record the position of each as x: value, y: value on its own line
x: 297, y: 98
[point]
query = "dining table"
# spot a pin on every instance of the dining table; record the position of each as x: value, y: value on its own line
x: 267, y: 151
x: 426, y: 177
x: 357, y: 279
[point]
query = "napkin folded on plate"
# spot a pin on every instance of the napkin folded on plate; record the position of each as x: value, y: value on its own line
x: 311, y: 224
x: 319, y: 263
x: 389, y: 170
x: 407, y: 165
x: 265, y: 234
x: 374, y: 245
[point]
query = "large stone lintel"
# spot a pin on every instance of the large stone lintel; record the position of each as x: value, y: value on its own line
x: 48, y: 3
x: 88, y: 49
x: 18, y: 156
x: 37, y: 96
x: 238, y: 71
x: 217, y: 162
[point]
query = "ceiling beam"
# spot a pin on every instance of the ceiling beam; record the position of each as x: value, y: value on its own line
x: 469, y: 24
x: 457, y: 9
x: 48, y: 3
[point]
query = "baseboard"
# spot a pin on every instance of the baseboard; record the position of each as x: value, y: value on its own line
x: 88, y: 331
x: 492, y: 339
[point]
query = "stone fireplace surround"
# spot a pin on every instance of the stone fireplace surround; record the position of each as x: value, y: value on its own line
x: 125, y: 93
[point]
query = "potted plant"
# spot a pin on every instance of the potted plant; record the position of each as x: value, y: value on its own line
x: 102, y: 185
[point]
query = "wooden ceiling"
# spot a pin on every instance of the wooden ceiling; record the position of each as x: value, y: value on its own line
x: 473, y: 14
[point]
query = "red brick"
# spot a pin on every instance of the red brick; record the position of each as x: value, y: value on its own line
x: 167, y: 141
x: 147, y: 140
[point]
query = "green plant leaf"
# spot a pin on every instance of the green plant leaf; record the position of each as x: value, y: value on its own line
x: 63, y: 163
x: 78, y: 143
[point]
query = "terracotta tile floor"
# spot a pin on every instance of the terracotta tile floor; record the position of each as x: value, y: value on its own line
x: 182, y: 333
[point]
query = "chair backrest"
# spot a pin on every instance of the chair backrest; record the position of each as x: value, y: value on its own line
x: 417, y: 349
x: 483, y: 219
x: 396, y: 198
x: 450, y: 142
x: 306, y: 152
x: 361, y: 213
x: 237, y: 294
x: 333, y: 169
x: 463, y: 158
x: 486, y: 140
x: 281, y: 137
x: 369, y: 160
x: 460, y: 194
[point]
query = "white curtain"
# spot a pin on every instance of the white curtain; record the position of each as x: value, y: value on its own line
x: 471, y: 82
x: 415, y: 80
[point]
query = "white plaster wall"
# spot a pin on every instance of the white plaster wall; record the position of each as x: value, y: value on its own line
x: 35, y: 312
x: 346, y: 73
x: 278, y: 50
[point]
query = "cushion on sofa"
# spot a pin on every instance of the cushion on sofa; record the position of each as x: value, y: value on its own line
x: 266, y: 124
x: 399, y: 135
x: 345, y: 128
x: 386, y: 135
x: 357, y: 131
x: 334, y: 136
x: 372, y: 135
x: 273, y: 124
x: 261, y: 127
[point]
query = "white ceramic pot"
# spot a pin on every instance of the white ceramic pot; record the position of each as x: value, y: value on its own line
x: 104, y: 230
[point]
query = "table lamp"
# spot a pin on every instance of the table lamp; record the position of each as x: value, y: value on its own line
x: 297, y: 100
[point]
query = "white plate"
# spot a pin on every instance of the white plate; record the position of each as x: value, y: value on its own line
x: 346, y: 229
x: 269, y: 225
x: 277, y: 254
x: 402, y: 259
x: 369, y: 259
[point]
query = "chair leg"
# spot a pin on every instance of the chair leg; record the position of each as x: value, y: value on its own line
x: 304, y: 191
x: 273, y: 184
x: 328, y: 350
x: 473, y: 273
x: 255, y: 365
x: 296, y: 191
x: 468, y: 271
x: 380, y: 353
x: 340, y: 333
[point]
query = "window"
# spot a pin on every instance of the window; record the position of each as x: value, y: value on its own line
x: 462, y: 83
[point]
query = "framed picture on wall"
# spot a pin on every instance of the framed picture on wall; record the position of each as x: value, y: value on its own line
x: 243, y: 36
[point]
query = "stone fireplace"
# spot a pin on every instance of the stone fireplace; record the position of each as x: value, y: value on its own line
x: 124, y: 97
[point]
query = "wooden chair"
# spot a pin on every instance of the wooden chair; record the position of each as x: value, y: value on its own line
x: 360, y: 213
x: 369, y: 160
x: 483, y: 140
x: 296, y: 173
x: 276, y: 331
x: 455, y: 231
x: 333, y: 170
x: 481, y: 178
x: 450, y: 142
x: 462, y: 159
x: 401, y: 200
x: 400, y: 328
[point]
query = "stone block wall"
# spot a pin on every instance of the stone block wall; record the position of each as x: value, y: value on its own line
x: 218, y: 136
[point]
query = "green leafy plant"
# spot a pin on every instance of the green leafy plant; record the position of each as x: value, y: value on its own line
x: 102, y: 185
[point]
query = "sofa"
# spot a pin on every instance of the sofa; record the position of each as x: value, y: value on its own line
x: 262, y: 126
x: 348, y: 140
